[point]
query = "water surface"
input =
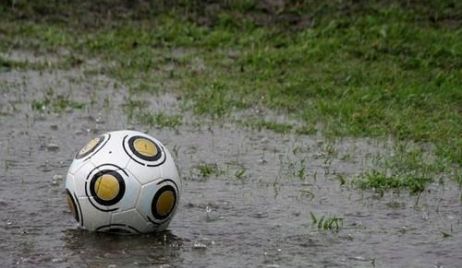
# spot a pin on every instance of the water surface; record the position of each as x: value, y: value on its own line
x: 253, y: 211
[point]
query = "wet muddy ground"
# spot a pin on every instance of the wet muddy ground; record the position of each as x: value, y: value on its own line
x: 251, y: 207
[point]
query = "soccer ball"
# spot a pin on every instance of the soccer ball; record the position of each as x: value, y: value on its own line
x: 124, y: 182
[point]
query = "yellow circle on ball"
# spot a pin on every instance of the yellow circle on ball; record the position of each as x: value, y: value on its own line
x: 89, y: 146
x: 71, y: 206
x: 165, y: 203
x: 145, y: 147
x: 107, y: 187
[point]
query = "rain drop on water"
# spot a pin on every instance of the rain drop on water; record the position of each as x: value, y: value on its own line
x: 199, y: 245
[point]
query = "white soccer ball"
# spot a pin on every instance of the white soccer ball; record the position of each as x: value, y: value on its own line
x: 125, y: 182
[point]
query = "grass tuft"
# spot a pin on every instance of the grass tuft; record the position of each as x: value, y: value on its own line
x: 55, y: 103
x: 409, y: 167
x: 331, y: 223
x: 160, y: 120
x: 381, y: 182
x: 207, y: 170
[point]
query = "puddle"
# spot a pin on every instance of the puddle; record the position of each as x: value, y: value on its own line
x: 253, y: 210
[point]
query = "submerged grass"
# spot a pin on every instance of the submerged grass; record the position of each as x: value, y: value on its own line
x: 331, y: 223
x: 159, y: 119
x: 208, y: 169
x: 8, y: 64
x: 376, y: 68
x: 266, y: 124
x: 55, y: 103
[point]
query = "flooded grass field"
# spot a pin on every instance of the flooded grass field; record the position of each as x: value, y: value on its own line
x: 252, y: 198
x: 306, y: 133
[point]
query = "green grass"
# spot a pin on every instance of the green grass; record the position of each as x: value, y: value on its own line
x: 137, y: 109
x: 7, y: 64
x: 159, y: 119
x: 381, y: 182
x: 260, y: 124
x: 206, y: 170
x: 331, y: 223
x: 55, y: 103
x: 343, y: 68
x: 409, y: 166
x: 240, y: 173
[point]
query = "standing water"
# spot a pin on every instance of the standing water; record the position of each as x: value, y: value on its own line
x: 251, y: 198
